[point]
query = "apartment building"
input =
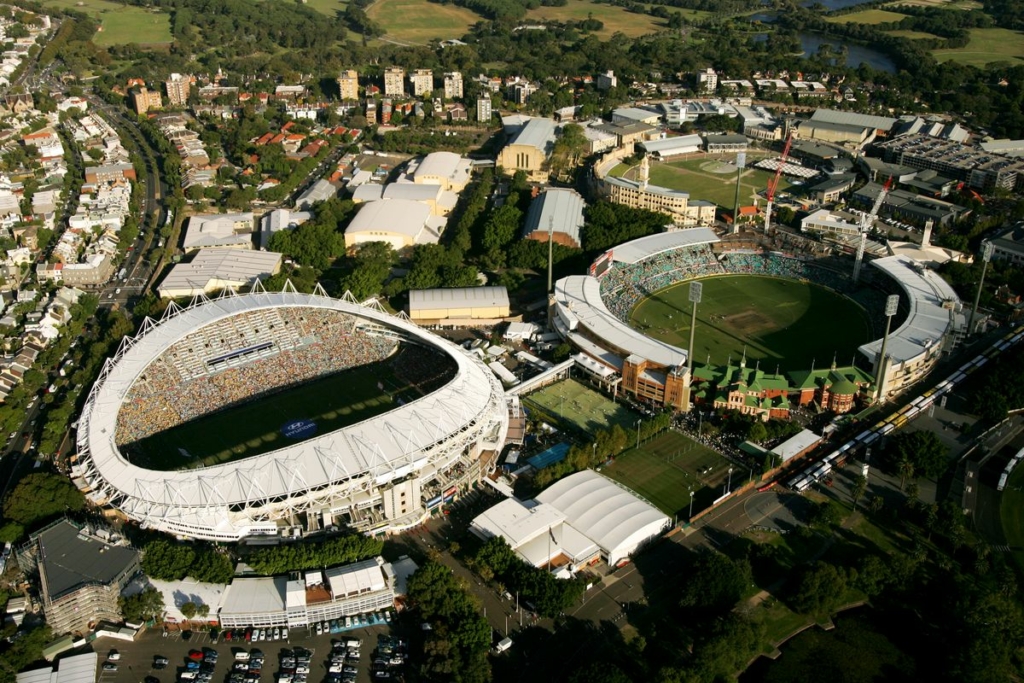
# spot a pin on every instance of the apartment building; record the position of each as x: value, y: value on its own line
x: 453, y: 85
x: 421, y: 82
x: 394, y: 82
x: 348, y: 85
x: 178, y: 87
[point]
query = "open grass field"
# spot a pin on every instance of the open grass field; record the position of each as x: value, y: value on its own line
x: 582, y: 407
x: 868, y: 16
x: 1011, y: 513
x: 665, y: 469
x: 121, y: 24
x: 419, y: 21
x: 328, y: 7
x: 615, y: 19
x: 713, y: 179
x: 781, y: 322
x: 943, y: 4
x: 253, y: 428
x: 986, y: 45
x: 912, y: 35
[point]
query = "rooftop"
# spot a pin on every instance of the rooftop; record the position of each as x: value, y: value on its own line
x: 539, y: 133
x: 560, y: 209
x: 457, y: 297
x: 70, y: 559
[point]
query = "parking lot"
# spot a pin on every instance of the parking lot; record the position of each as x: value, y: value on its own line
x: 136, y: 659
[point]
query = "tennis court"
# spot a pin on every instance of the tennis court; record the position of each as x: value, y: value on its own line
x: 669, y: 466
x: 581, y: 407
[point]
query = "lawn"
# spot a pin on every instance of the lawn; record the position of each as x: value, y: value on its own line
x: 615, y: 19
x: 419, y: 21
x: 256, y: 427
x: 665, y: 469
x: 328, y: 7
x: 913, y: 35
x: 1011, y: 512
x: 121, y: 24
x: 774, y: 320
x: 581, y: 407
x: 698, y: 176
x: 868, y: 16
x: 986, y: 45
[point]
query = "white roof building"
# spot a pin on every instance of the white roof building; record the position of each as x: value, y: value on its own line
x: 559, y: 210
x: 399, y: 222
x: 278, y: 220
x: 232, y: 230
x: 667, y: 147
x: 76, y: 669
x: 218, y: 268
x: 446, y: 169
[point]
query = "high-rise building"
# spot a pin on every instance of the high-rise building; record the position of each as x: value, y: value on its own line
x: 348, y: 84
x: 607, y: 80
x: 422, y: 82
x: 707, y: 80
x: 483, y: 109
x: 394, y: 82
x: 143, y: 100
x: 178, y: 87
x: 453, y: 85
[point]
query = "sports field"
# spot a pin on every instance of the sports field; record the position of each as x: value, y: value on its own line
x: 986, y: 45
x: 1011, y: 512
x: 253, y: 428
x: 419, y: 21
x: 121, y: 24
x: 581, y: 407
x: 709, y: 177
x: 615, y: 19
x: 868, y: 16
x: 665, y: 470
x: 774, y: 319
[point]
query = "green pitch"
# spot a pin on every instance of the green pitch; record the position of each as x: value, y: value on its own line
x: 581, y: 407
x: 253, y: 428
x: 1011, y: 507
x: 777, y: 321
x: 665, y: 470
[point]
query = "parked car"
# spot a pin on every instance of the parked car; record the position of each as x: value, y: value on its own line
x: 109, y: 666
x: 195, y: 655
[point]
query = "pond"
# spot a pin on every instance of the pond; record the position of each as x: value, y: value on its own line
x: 856, y: 54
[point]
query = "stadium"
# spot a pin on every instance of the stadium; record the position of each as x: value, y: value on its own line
x: 604, y: 316
x: 372, y: 421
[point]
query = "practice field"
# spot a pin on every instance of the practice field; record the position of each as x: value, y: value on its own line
x: 121, y: 24
x: 986, y: 45
x: 713, y: 179
x: 665, y: 470
x: 1011, y: 513
x: 420, y: 21
x: 580, y: 406
x: 253, y: 428
x: 868, y: 16
x: 615, y: 19
x: 780, y: 321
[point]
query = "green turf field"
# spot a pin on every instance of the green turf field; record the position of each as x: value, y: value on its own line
x: 121, y: 24
x: 1011, y: 512
x: 253, y: 428
x: 711, y: 178
x: 775, y: 319
x: 615, y: 19
x: 986, y: 45
x: 868, y: 16
x: 420, y: 21
x: 581, y: 407
x: 665, y: 469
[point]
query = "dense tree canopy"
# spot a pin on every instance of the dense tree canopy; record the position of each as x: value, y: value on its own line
x: 41, y: 496
x: 296, y: 556
x: 168, y: 561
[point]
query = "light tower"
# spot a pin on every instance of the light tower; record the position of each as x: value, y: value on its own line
x: 865, y: 225
x: 986, y: 256
x: 551, y: 233
x: 892, y: 303
x: 696, y: 289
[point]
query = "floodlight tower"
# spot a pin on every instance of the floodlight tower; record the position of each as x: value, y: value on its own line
x: 865, y: 226
x: 892, y: 304
x: 986, y: 256
x: 696, y: 290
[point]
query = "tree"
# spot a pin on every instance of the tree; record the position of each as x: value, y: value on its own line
x: 818, y: 589
x: 142, y: 607
x: 189, y: 610
x: 826, y: 515
x: 714, y: 583
x: 295, y: 556
x: 860, y: 487
x: 913, y: 454
x: 40, y: 496
x: 168, y: 561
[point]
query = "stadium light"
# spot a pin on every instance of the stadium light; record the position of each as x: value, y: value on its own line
x: 986, y: 256
x: 696, y: 292
x: 892, y: 304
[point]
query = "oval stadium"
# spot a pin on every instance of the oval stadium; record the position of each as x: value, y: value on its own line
x: 764, y: 319
x: 279, y: 413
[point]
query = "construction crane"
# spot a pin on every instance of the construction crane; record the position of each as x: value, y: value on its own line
x: 866, y: 222
x: 773, y: 184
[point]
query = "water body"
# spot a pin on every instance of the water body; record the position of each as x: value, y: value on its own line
x: 856, y: 54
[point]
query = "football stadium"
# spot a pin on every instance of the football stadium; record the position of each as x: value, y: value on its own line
x: 279, y: 413
x: 764, y: 318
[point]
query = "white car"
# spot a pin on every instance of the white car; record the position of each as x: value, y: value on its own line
x: 319, y: 629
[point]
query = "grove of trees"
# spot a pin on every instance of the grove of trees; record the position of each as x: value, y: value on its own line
x: 279, y: 559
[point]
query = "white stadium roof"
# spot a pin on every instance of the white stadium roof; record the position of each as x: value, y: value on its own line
x: 356, y: 578
x: 926, y: 294
x: 228, y: 501
x: 579, y: 296
x: 616, y: 519
x: 652, y: 245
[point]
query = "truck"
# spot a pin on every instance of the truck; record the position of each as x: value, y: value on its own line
x: 122, y: 274
x: 503, y: 644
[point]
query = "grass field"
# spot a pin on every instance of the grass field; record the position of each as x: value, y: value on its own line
x: 328, y: 7
x: 665, y: 470
x: 121, y: 24
x: 253, y: 428
x: 913, y: 35
x: 774, y: 319
x: 986, y: 45
x: 1011, y: 513
x: 868, y: 16
x: 419, y: 21
x: 582, y: 407
x: 710, y: 178
x: 615, y: 19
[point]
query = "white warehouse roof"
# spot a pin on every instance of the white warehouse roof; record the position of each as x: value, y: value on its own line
x: 255, y: 596
x: 457, y: 297
x: 360, y: 577
x: 616, y: 519
x: 217, y: 268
